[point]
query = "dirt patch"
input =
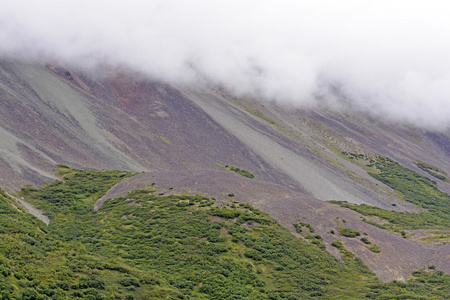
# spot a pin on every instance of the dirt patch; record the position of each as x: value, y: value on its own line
x: 214, y: 218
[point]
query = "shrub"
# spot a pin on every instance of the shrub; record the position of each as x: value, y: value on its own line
x: 253, y: 254
x: 129, y: 282
x: 226, y: 213
x: 337, y: 244
x: 374, y: 248
x: 307, y: 225
x: 348, y: 232
x: 365, y: 241
x: 298, y: 228
x: 241, y: 172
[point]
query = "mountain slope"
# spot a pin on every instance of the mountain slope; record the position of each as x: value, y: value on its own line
x: 148, y: 246
x: 187, y: 137
x: 289, y: 207
x: 48, y: 119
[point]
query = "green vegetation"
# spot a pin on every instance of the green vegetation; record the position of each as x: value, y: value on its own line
x: 240, y: 171
x: 147, y: 246
x: 36, y: 264
x: 374, y: 248
x: 79, y: 189
x: 348, y: 232
x: 411, y: 186
x: 260, y: 115
x: 417, y: 138
x: 397, y: 221
x: 165, y: 140
x: 346, y: 255
x: 316, y: 240
x: 298, y: 227
x: 415, y: 188
x: 424, y: 284
x: 432, y: 171
x: 365, y: 241
x: 354, y: 155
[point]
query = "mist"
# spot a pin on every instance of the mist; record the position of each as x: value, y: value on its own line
x: 390, y: 58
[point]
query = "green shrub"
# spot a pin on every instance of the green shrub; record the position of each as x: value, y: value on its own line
x: 307, y: 225
x: 374, y: 248
x: 240, y: 171
x: 431, y: 170
x: 337, y: 244
x: 348, y: 232
x: 226, y: 213
x: 253, y: 254
x: 298, y: 228
x: 365, y: 241
x: 129, y: 282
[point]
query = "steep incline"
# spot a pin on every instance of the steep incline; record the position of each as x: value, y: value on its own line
x: 51, y: 116
x: 55, y: 116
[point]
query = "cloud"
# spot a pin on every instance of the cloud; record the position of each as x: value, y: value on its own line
x: 387, y: 57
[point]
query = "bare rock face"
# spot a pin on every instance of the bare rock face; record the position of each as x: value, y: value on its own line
x: 183, y: 136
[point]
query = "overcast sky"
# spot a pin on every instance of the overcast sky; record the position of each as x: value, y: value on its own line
x: 389, y: 57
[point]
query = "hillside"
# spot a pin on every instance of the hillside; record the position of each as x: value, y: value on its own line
x: 148, y: 245
x: 331, y: 168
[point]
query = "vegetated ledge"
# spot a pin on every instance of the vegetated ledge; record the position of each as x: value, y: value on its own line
x: 237, y: 170
x: 240, y: 171
x: 413, y: 187
x: 433, y: 171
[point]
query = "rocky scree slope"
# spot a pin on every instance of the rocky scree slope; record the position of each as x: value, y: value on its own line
x: 53, y: 115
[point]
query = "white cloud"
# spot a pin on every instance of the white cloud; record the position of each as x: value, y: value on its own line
x: 391, y: 57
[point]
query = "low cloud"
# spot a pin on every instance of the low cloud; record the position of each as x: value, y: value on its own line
x: 387, y: 57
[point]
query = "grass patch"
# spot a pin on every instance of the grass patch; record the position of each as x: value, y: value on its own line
x: 397, y: 221
x: 348, y: 232
x: 415, y: 188
x: 445, y: 239
x: 165, y: 140
x: 411, y: 186
x: 346, y: 255
x: 374, y: 248
x: 304, y: 224
x: 433, y: 171
x: 365, y: 241
x: 298, y: 228
x: 239, y: 171
x: 424, y: 284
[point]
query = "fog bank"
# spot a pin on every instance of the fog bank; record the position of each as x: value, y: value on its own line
x: 387, y: 57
